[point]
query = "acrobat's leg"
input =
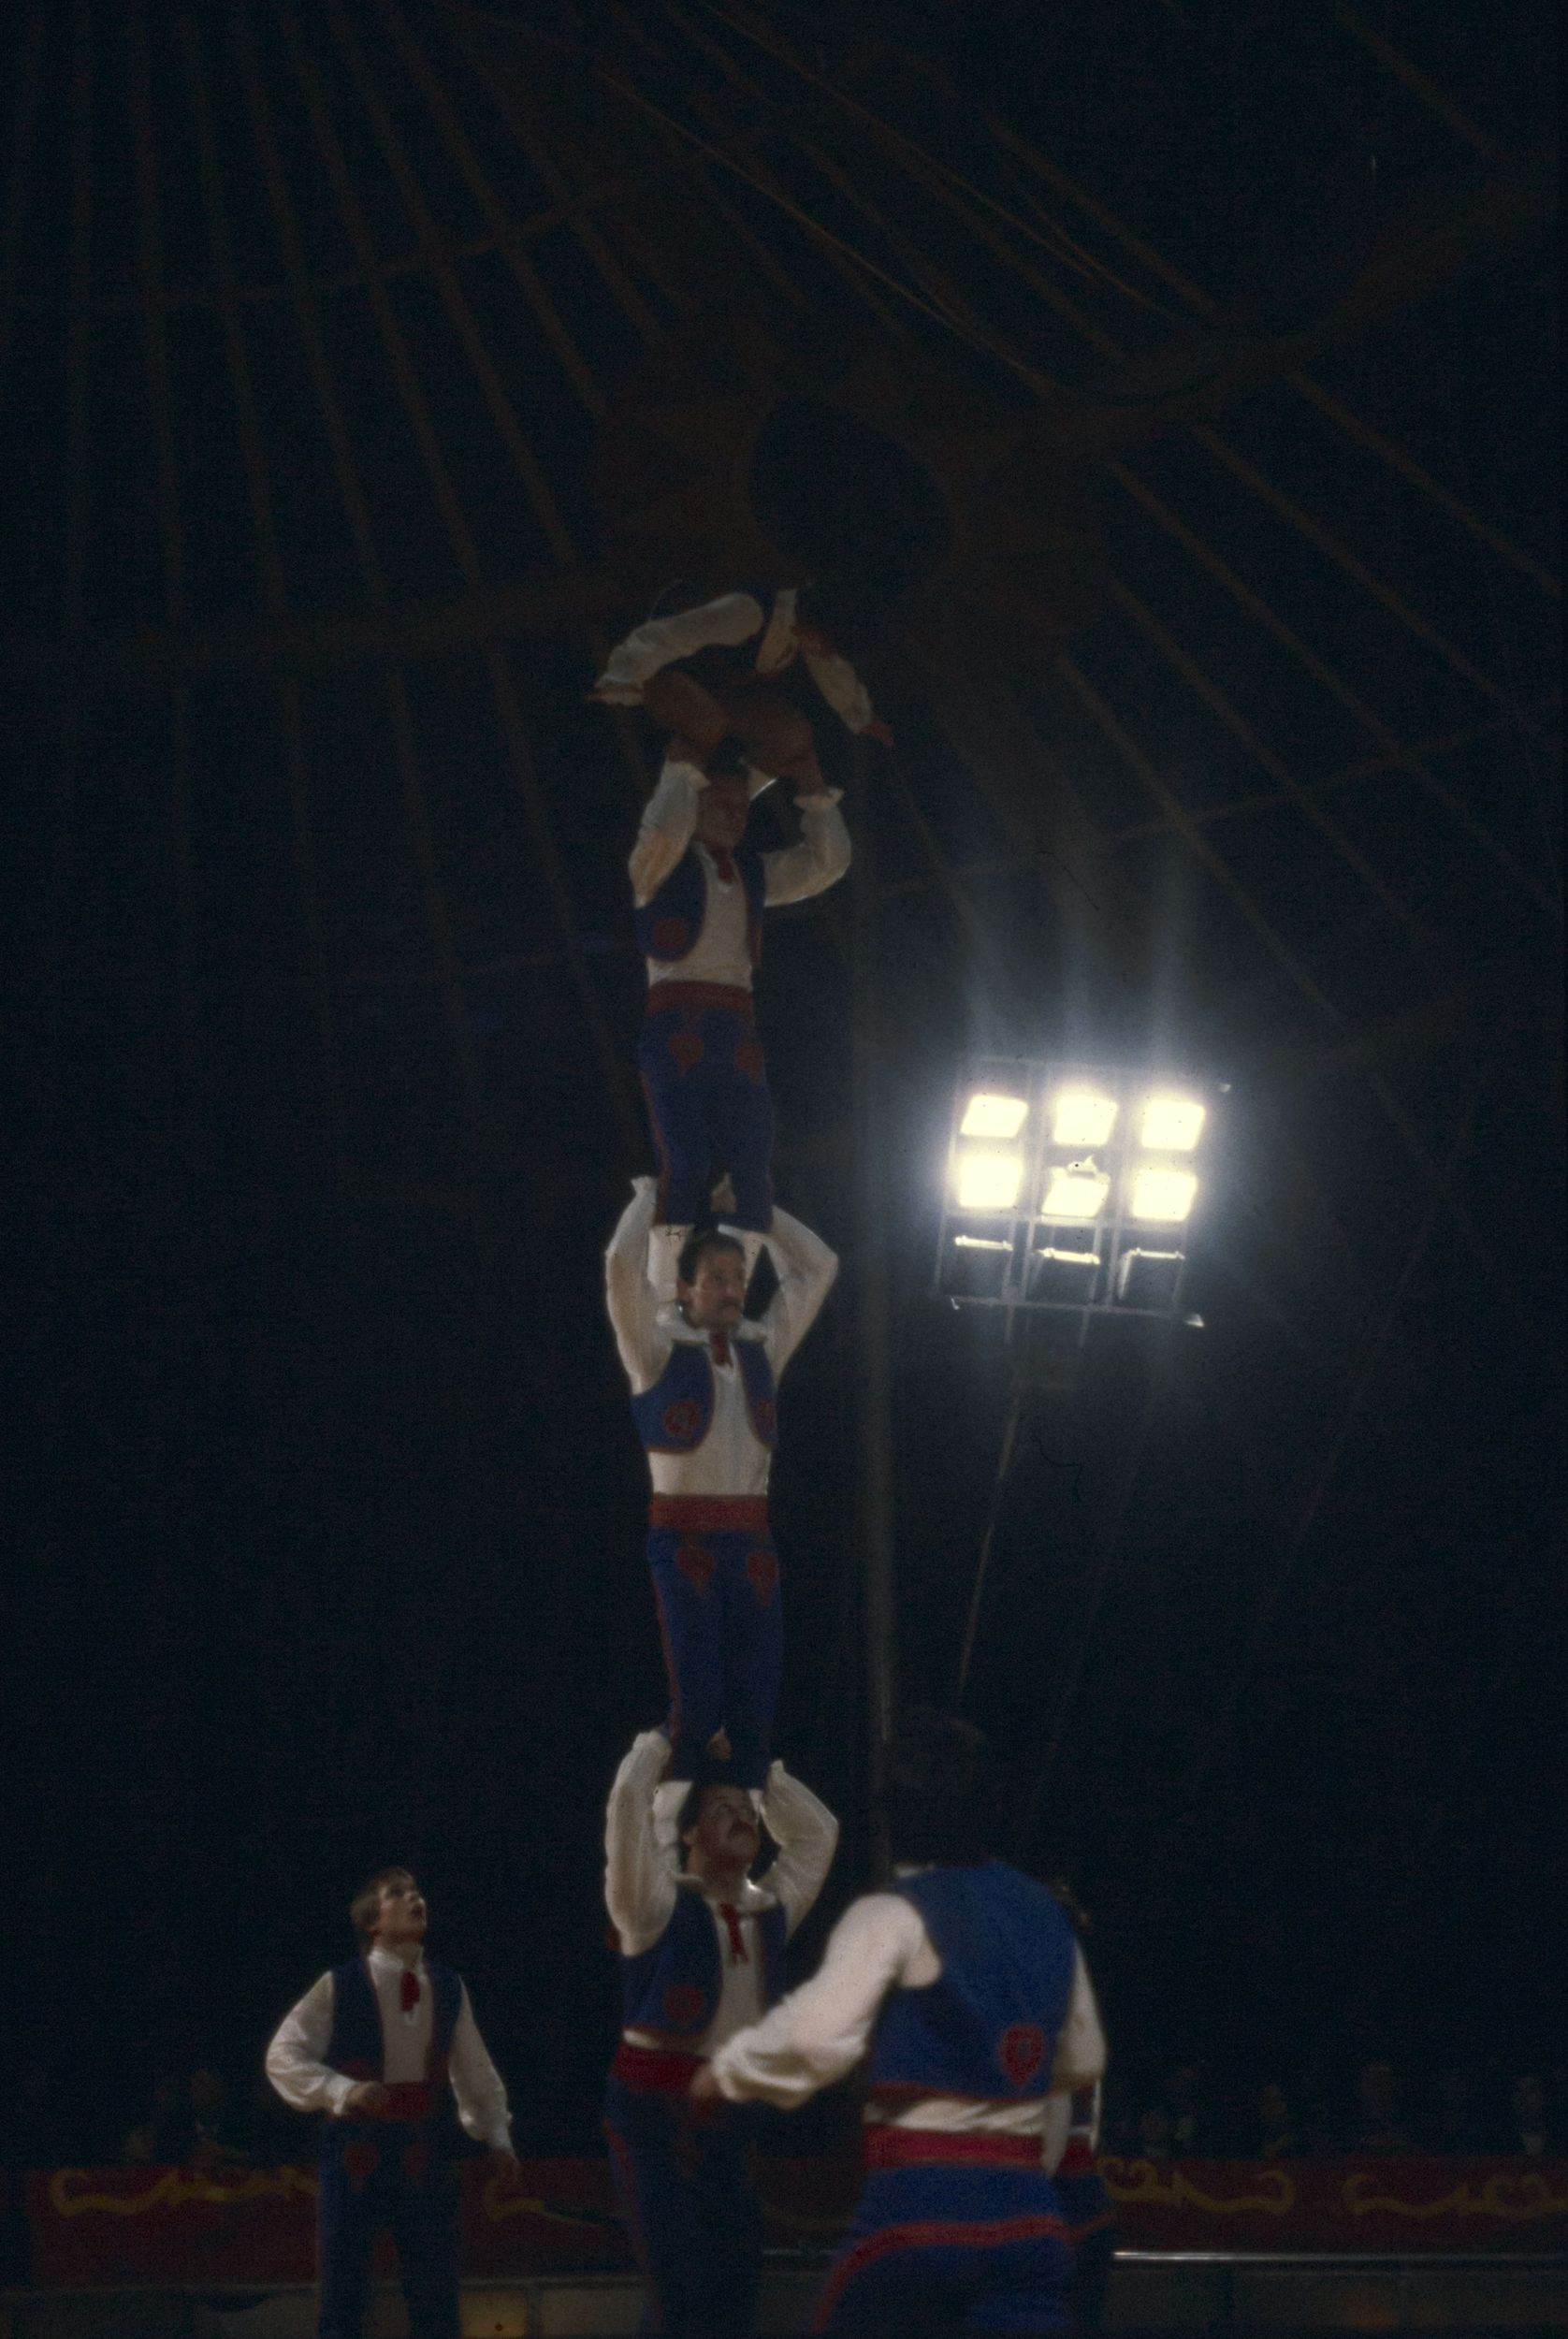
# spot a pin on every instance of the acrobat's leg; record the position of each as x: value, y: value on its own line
x: 676, y: 1074
x: 753, y: 1651
x: 698, y: 721
x: 775, y: 735
x: 740, y: 1116
x: 649, y: 2136
x: 351, y: 2206
x: 424, y: 2217
x: 691, y: 1625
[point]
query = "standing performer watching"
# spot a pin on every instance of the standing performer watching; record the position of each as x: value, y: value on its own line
x: 967, y: 1982
x: 380, y: 2045
x: 702, y: 1955
x: 703, y: 1395
x: 699, y: 891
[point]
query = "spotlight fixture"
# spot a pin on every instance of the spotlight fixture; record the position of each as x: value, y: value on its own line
x: 1069, y: 1186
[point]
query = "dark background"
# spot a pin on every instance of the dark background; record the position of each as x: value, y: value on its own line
x: 327, y: 1523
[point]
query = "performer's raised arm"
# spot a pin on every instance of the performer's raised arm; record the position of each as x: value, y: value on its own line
x: 630, y: 1294
x: 668, y: 824
x: 805, y: 1267
x: 806, y: 1834
x: 820, y: 858
x: 639, y: 1870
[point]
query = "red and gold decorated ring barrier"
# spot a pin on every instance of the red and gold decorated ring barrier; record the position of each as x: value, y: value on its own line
x: 110, y: 2228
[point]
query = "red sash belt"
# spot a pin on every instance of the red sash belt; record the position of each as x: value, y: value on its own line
x: 711, y: 1513
x: 655, y: 2071
x: 1078, y: 2159
x: 888, y: 2147
x: 409, y: 2099
x: 694, y: 996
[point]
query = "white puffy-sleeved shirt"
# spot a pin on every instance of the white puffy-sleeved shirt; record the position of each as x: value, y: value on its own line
x: 821, y: 2030
x: 731, y: 1461
x: 642, y: 1877
x: 722, y: 951
x: 730, y: 621
x: 296, y: 2067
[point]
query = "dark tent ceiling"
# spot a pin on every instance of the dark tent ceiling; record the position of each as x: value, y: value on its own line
x: 1164, y: 400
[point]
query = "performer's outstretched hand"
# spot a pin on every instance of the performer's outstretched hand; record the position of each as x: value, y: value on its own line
x: 704, y: 2087
x: 723, y: 1195
x: 369, y: 2098
x: 877, y: 728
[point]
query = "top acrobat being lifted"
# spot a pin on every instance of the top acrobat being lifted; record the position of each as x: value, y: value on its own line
x: 714, y: 674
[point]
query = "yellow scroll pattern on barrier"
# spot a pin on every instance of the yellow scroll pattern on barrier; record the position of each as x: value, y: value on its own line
x: 1156, y: 2184
x: 175, y: 2188
x: 1518, y: 2198
x: 501, y: 2204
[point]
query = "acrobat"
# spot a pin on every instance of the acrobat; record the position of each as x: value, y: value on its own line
x: 703, y: 1388
x: 702, y: 1954
x: 710, y: 673
x: 964, y: 1986
x: 381, y: 2046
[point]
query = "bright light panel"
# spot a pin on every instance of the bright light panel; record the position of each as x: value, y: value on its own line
x: 1074, y: 1194
x: 1163, y: 1195
x: 1174, y: 1125
x: 989, y: 1179
x: 990, y: 1115
x: 1081, y: 1116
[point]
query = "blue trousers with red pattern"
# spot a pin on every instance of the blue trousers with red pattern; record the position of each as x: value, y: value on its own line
x: 684, y: 2184
x: 376, y: 2174
x: 939, y: 2250
x: 722, y: 1623
x: 706, y: 1087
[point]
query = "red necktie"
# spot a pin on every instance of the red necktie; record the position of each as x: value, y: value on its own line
x: 732, y: 1921
x: 409, y: 1990
x: 718, y: 1343
x: 723, y: 864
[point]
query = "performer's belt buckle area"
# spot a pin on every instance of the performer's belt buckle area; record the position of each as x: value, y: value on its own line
x: 695, y: 997
x: 711, y: 1513
x: 885, y: 2146
x: 655, y: 2071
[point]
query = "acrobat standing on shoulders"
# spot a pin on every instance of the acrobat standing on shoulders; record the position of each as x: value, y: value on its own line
x: 703, y: 1386
x: 710, y: 673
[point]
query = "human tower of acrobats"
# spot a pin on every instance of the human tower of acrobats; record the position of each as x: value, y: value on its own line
x: 960, y: 1985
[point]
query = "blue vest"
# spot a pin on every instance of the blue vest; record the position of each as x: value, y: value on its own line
x: 676, y: 1415
x: 669, y: 925
x: 357, y: 2045
x: 674, y: 1987
x: 988, y: 2025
